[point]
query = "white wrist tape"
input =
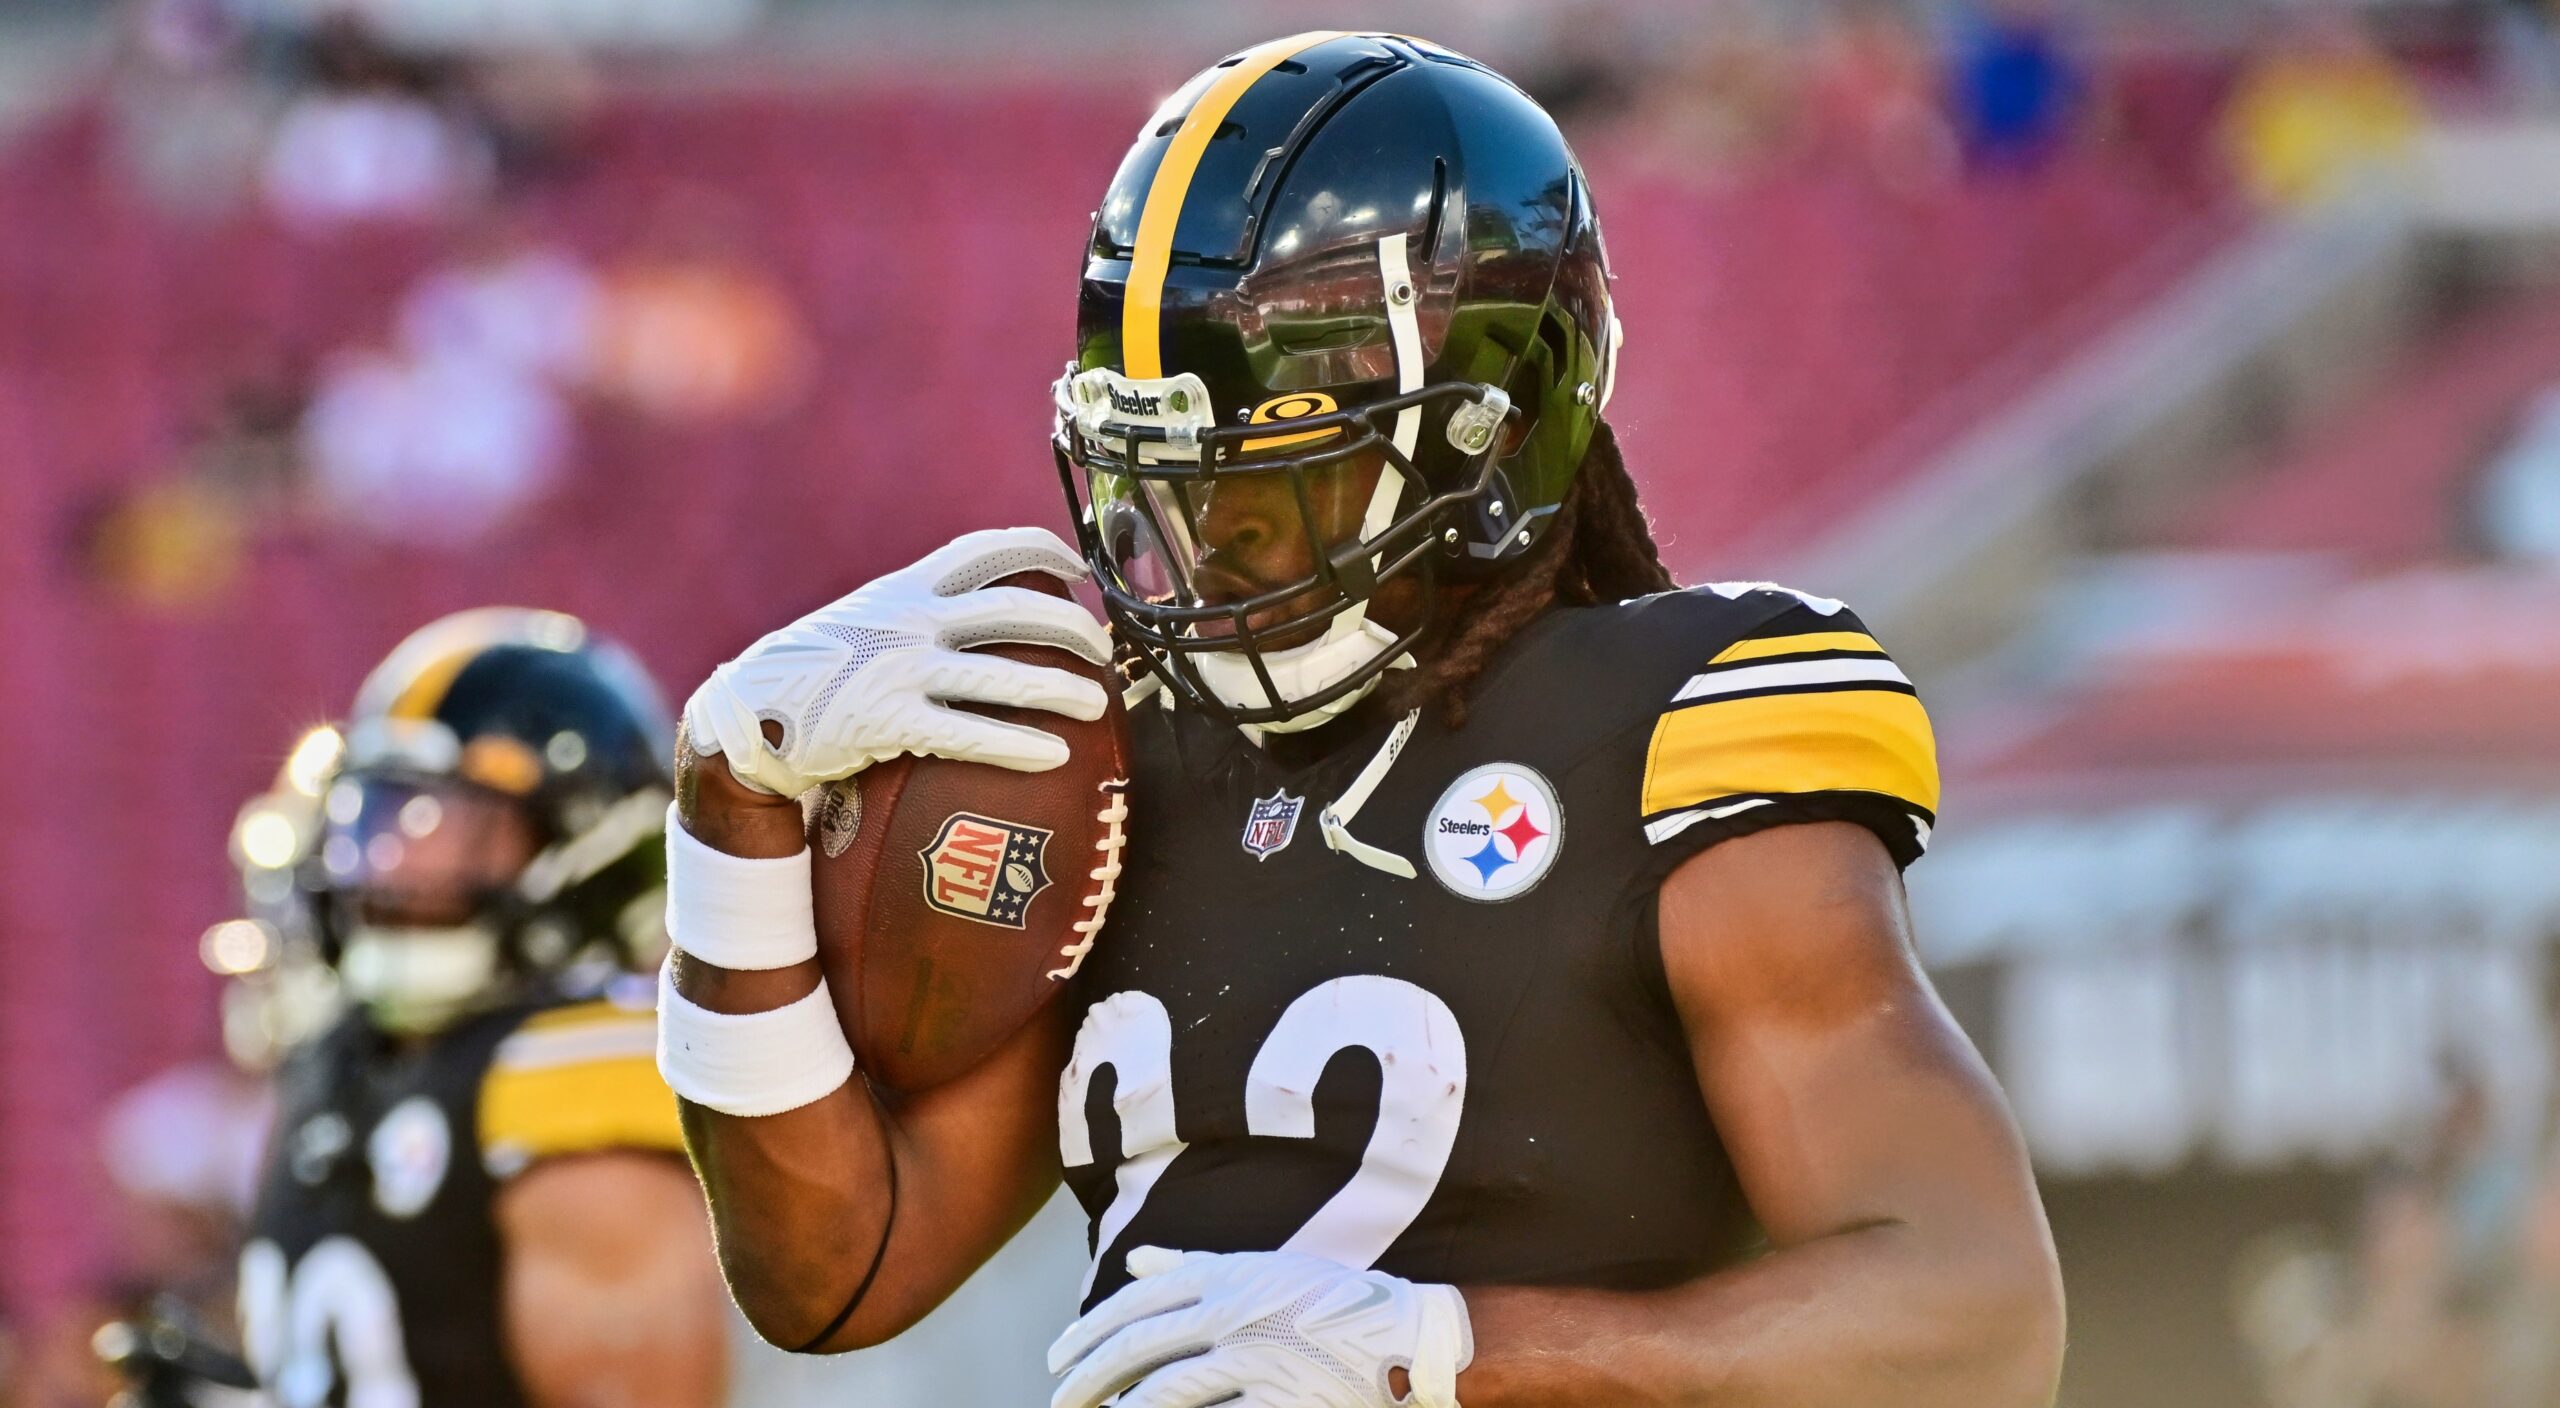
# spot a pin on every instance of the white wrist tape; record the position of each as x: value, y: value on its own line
x: 734, y: 912
x: 757, y: 1063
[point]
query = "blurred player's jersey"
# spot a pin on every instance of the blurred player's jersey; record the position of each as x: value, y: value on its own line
x: 372, y: 1274
x: 1474, y: 1074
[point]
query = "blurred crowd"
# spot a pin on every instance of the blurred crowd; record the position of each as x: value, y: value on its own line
x: 470, y: 401
x: 466, y: 405
x: 311, y: 111
x: 178, y: 1157
x: 1917, y: 96
x: 2443, y: 1294
x: 1876, y: 87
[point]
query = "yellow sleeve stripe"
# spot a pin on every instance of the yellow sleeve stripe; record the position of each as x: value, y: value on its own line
x: 571, y: 1046
x: 1858, y: 740
x: 547, y: 1108
x: 1765, y: 647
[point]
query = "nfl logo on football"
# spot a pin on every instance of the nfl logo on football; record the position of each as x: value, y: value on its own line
x: 1271, y: 824
x: 985, y: 869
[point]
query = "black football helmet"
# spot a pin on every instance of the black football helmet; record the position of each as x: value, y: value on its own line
x: 279, y: 989
x: 495, y: 814
x: 1332, y: 250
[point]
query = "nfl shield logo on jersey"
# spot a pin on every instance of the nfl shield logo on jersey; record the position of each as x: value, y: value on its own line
x: 1271, y: 824
x: 984, y: 869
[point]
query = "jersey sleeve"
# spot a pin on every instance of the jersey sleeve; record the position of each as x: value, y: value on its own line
x: 1804, y: 718
x: 577, y: 1079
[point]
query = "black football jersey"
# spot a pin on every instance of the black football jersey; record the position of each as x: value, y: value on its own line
x: 1469, y: 1071
x: 371, y: 1277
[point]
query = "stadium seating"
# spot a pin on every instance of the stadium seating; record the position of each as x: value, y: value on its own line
x: 2408, y: 446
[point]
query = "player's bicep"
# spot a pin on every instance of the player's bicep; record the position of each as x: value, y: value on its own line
x: 611, y: 1298
x: 1845, y: 1094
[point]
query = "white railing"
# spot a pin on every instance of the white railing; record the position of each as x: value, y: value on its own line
x: 2098, y: 406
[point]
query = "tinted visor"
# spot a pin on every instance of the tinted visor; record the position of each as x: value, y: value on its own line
x: 1262, y: 540
x: 402, y: 850
x: 1217, y: 544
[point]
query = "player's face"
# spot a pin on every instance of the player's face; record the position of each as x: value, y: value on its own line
x: 1241, y: 536
x: 422, y: 854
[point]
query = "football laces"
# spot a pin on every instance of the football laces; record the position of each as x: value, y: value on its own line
x: 1105, y: 876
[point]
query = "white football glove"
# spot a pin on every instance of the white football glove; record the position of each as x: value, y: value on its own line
x: 1262, y: 1330
x: 866, y: 677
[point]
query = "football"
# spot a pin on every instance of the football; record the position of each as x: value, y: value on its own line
x: 954, y: 899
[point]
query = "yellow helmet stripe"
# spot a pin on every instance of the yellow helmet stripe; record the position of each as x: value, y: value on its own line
x: 426, y: 690
x: 1141, y: 314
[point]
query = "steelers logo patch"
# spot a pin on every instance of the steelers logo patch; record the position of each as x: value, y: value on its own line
x: 1495, y: 833
x: 410, y: 1151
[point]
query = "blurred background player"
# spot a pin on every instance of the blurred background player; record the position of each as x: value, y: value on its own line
x: 472, y: 1194
x: 182, y: 1149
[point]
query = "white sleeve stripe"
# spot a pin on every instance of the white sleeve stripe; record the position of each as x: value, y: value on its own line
x: 578, y: 1045
x: 1663, y: 829
x: 1790, y: 674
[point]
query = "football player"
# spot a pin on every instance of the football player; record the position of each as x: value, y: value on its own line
x: 1509, y: 997
x: 471, y: 1198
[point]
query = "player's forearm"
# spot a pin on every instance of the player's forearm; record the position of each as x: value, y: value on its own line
x: 803, y: 1202
x: 799, y: 1200
x: 842, y: 1215
x: 1879, y: 1314
x: 796, y: 1198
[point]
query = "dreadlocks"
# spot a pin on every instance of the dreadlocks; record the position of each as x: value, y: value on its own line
x: 1600, y: 549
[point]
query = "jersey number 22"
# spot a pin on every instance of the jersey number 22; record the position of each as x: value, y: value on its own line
x: 1422, y: 1064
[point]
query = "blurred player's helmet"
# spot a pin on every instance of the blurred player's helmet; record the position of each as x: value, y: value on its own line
x: 496, y: 815
x: 280, y: 989
x: 1353, y: 264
